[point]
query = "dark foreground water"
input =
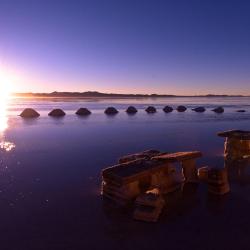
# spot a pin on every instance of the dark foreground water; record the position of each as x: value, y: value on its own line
x: 50, y: 176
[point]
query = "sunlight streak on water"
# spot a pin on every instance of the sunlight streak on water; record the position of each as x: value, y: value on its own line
x: 4, y: 101
x: 4, y: 145
x: 3, y: 115
x: 7, y: 146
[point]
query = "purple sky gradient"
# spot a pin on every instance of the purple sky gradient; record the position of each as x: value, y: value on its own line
x: 164, y: 47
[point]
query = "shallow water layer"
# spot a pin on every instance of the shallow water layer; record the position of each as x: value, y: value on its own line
x: 50, y: 175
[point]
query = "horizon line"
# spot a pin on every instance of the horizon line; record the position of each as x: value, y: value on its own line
x: 97, y: 93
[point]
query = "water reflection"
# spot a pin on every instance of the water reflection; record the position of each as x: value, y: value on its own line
x: 3, y: 115
x: 239, y: 171
x: 7, y: 146
x: 4, y: 145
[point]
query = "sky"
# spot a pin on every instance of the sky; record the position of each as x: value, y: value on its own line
x: 129, y: 46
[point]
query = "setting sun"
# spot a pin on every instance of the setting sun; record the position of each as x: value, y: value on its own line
x: 5, y: 92
x: 5, y: 85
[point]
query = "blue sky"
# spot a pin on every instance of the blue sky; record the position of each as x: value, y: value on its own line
x: 171, y: 47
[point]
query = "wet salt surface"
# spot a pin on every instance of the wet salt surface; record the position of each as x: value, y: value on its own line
x: 50, y: 179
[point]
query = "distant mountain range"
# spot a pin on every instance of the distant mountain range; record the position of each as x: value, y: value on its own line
x: 95, y: 94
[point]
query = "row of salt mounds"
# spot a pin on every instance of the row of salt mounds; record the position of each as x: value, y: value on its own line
x: 31, y: 113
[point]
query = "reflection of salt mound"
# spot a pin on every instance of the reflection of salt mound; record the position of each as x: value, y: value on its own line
x: 199, y: 109
x: 218, y: 110
x: 57, y: 113
x: 83, y: 112
x: 111, y: 111
x: 29, y: 113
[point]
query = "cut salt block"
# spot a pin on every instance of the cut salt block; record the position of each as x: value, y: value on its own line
x: 187, y: 160
x: 237, y: 145
x: 237, y: 134
x: 147, y: 154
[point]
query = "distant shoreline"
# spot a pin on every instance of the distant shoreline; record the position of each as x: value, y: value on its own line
x: 94, y: 94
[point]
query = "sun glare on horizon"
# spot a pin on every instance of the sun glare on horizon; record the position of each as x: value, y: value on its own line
x: 5, y: 86
x: 3, y: 112
x: 5, y: 94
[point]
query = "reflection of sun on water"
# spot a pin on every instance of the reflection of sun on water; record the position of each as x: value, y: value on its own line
x: 4, y: 100
x: 6, y: 83
x: 7, y: 146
